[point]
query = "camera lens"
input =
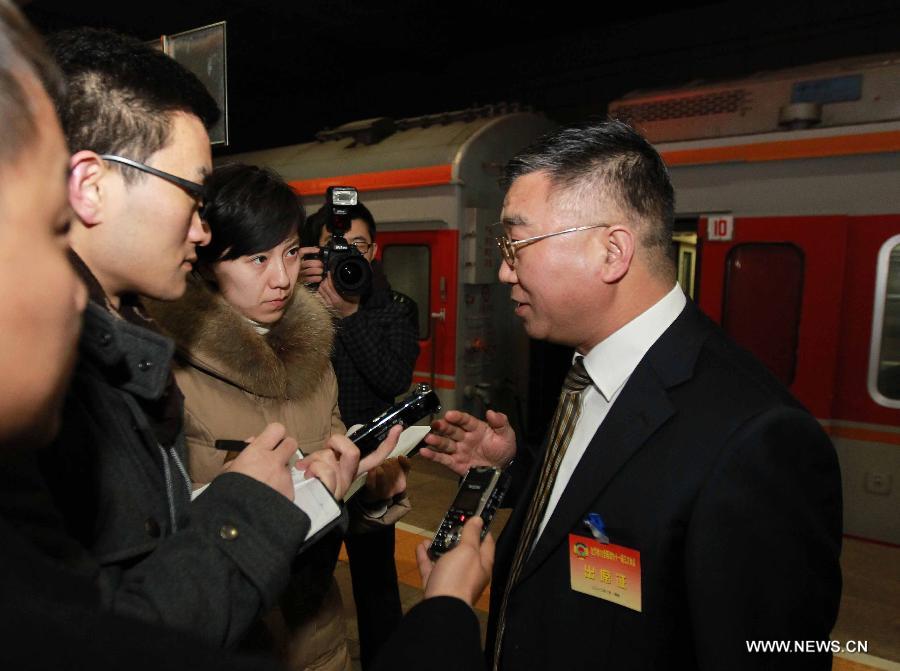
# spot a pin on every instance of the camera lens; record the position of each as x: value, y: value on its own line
x: 352, y: 275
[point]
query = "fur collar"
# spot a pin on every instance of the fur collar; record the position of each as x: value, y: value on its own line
x: 287, y: 363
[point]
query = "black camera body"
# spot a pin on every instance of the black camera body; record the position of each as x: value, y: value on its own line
x: 350, y: 270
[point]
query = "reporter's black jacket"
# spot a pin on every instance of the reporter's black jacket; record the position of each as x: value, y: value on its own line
x: 116, y: 473
x: 375, y: 352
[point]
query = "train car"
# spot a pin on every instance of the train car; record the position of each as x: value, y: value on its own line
x: 432, y: 184
x: 788, y: 235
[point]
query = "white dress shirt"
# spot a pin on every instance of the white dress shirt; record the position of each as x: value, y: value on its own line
x: 610, y: 363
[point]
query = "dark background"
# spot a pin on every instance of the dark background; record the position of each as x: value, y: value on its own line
x: 298, y: 66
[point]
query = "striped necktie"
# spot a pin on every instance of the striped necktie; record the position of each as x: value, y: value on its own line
x: 567, y: 413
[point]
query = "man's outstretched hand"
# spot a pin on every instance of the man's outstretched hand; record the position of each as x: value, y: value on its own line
x: 460, y: 441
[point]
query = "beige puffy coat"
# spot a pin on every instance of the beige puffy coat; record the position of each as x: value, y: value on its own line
x: 235, y: 381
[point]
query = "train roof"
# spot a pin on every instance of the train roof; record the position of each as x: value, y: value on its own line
x: 833, y: 94
x: 384, y: 145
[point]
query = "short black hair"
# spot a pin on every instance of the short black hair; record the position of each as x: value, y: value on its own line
x: 22, y: 55
x: 613, y: 160
x: 121, y: 93
x: 249, y: 210
x: 312, y: 232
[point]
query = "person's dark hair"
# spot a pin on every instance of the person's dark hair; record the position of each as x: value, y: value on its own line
x: 121, y: 93
x: 613, y: 160
x: 249, y: 210
x: 312, y: 232
x: 22, y: 56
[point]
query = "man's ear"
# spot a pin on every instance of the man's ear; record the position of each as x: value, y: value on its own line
x: 374, y: 249
x: 86, y: 169
x: 619, y: 245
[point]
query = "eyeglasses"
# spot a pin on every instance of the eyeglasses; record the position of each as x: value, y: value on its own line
x: 193, y: 189
x: 361, y: 245
x: 508, y: 247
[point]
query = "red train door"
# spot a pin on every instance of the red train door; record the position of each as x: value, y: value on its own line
x: 423, y: 265
x: 864, y: 395
x: 775, y: 284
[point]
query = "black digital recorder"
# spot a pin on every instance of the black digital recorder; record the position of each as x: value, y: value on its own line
x: 481, y: 493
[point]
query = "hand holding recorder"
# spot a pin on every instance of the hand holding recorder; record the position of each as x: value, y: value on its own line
x: 339, y: 463
x: 464, y: 571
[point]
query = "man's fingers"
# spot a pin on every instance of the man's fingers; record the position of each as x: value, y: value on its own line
x: 444, y: 460
x: 446, y: 431
x: 463, y: 420
x: 497, y: 420
x: 382, y: 451
x: 328, y: 286
x: 439, y: 443
x: 327, y: 292
x: 424, y: 561
x: 430, y: 454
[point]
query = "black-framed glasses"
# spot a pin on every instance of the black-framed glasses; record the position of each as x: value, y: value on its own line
x: 508, y: 247
x: 362, y: 246
x: 193, y: 189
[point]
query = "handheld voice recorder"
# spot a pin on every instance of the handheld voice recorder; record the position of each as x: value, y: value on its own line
x: 421, y: 402
x: 481, y: 493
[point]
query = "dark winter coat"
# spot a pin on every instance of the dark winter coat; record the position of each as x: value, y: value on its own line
x: 209, y: 567
x: 375, y: 352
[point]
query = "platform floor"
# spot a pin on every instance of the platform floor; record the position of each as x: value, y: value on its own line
x: 870, y: 604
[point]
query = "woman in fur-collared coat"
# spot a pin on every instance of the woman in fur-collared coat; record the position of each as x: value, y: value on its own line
x: 253, y: 347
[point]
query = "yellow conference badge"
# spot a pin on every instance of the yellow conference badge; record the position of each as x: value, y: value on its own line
x: 606, y: 571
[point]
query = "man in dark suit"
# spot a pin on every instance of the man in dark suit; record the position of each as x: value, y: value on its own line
x: 684, y: 505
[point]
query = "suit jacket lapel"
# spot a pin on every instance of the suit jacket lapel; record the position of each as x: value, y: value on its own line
x: 509, y: 538
x: 639, y: 411
x: 642, y: 407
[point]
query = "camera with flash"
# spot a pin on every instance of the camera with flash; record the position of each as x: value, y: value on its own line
x: 350, y: 271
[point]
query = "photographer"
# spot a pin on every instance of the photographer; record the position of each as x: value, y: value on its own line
x: 375, y: 350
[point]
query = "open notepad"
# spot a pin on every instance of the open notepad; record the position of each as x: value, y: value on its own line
x: 314, y: 499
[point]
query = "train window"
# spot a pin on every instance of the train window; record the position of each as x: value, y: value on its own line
x: 684, y: 250
x: 408, y: 269
x: 761, y: 304
x: 884, y: 361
